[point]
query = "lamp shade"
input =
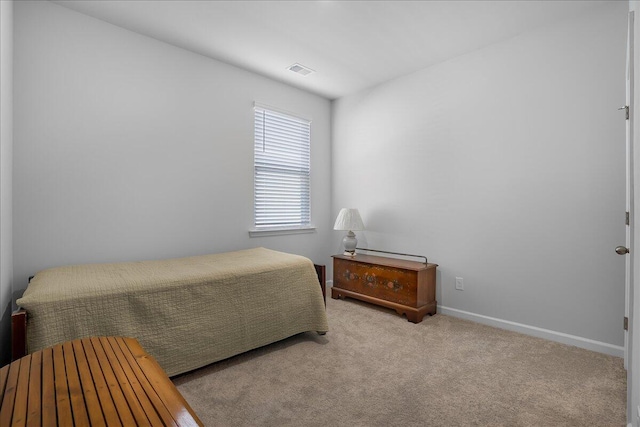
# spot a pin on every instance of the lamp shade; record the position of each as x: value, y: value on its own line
x: 349, y: 220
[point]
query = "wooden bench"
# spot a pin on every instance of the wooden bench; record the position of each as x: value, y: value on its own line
x: 99, y: 381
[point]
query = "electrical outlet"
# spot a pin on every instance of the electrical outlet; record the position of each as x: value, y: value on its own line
x: 459, y: 284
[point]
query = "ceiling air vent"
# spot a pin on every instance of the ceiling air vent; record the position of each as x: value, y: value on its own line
x: 300, y: 69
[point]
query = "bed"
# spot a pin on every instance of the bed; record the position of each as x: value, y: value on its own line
x: 185, y: 312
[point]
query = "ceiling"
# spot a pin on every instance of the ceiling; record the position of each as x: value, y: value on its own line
x: 351, y: 45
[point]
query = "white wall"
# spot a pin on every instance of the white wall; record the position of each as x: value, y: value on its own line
x: 127, y: 148
x: 506, y: 167
x: 6, y: 147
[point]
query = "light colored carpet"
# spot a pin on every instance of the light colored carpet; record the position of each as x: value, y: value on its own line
x: 374, y: 368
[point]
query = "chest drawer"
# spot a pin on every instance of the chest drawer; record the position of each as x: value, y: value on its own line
x: 378, y: 281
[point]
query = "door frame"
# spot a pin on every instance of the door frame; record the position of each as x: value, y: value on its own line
x: 629, y: 228
x: 632, y: 294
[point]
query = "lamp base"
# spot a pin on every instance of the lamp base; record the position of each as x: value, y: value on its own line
x: 350, y: 242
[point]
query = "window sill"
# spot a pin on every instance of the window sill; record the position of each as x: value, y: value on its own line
x: 275, y: 231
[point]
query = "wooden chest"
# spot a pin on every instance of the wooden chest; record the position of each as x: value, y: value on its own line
x: 409, y: 287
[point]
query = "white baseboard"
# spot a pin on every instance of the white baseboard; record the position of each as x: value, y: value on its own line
x: 561, y: 337
x: 601, y: 347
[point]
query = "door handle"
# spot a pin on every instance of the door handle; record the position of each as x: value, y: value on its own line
x: 626, y: 111
x: 621, y: 250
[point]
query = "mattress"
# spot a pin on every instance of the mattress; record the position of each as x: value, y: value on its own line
x: 185, y: 312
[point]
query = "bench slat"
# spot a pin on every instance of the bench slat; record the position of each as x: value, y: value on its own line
x: 88, y: 388
x: 80, y: 416
x: 127, y: 389
x: 114, y: 387
x: 34, y: 407
x: 63, y: 401
x: 143, y: 398
x: 102, y: 390
x: 167, y: 391
x: 4, y: 373
x: 160, y: 408
x: 49, y: 416
x: 9, y: 397
x: 20, y: 405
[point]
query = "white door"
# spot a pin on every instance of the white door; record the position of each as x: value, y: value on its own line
x: 629, y: 190
x: 623, y: 250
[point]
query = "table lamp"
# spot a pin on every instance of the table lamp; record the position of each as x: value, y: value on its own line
x: 348, y: 220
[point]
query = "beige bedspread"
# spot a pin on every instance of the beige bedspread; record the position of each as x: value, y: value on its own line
x: 185, y: 312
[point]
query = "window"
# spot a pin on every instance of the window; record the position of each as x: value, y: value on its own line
x: 281, y: 171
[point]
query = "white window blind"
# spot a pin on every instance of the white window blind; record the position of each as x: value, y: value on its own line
x: 281, y: 170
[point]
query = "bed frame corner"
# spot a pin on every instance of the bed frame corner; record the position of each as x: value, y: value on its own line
x: 18, y: 334
x: 321, y: 271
